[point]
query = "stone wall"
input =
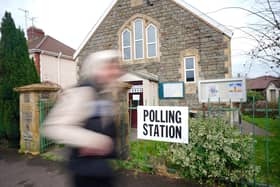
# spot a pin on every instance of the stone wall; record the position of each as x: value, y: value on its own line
x: 179, y: 30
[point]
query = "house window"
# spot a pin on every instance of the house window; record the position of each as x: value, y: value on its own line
x: 189, y: 63
x: 151, y: 34
x: 126, y: 44
x: 138, y: 39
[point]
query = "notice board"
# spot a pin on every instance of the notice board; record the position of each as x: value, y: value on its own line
x: 222, y: 90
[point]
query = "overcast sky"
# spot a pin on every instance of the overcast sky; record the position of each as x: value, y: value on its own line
x: 69, y: 21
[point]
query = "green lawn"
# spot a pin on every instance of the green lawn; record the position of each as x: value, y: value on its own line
x: 272, y: 175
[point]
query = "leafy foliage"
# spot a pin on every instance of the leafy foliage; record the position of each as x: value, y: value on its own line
x: 216, y: 152
x: 17, y: 69
x: 258, y: 96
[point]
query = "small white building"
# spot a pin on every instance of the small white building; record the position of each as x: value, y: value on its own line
x: 53, y: 59
x: 268, y: 86
x: 273, y: 91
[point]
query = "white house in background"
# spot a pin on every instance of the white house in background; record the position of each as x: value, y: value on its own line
x: 53, y: 59
x: 268, y: 86
x: 273, y: 91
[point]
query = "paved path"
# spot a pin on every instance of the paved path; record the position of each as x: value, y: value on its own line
x: 27, y: 171
x: 247, y: 128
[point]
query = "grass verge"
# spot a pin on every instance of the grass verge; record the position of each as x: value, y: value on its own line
x: 146, y: 156
x: 268, y: 150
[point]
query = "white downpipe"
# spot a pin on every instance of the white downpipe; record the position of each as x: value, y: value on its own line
x: 41, y: 69
x: 58, y: 69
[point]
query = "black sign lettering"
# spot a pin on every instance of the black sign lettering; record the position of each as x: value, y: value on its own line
x: 178, y: 132
x: 146, y: 114
x: 156, y: 131
x: 145, y: 132
x: 178, y: 117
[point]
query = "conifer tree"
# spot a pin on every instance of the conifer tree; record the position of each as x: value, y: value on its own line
x: 16, y: 69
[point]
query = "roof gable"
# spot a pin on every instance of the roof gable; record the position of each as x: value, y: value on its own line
x: 48, y: 43
x: 204, y: 17
x: 181, y: 3
x: 276, y: 83
x: 139, y: 75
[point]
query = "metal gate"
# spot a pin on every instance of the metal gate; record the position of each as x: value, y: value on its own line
x: 262, y: 120
x: 44, y: 108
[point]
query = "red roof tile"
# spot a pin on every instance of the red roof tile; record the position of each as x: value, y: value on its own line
x: 261, y: 83
x: 48, y: 43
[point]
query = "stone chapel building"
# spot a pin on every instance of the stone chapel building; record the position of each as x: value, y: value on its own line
x: 162, y: 41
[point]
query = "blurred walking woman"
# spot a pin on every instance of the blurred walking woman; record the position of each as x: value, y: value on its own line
x: 83, y: 119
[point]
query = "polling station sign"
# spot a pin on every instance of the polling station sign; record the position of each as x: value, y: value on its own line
x: 162, y: 123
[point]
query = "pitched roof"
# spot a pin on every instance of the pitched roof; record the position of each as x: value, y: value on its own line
x: 182, y: 3
x: 49, y: 44
x: 145, y: 75
x: 261, y: 83
x: 276, y: 83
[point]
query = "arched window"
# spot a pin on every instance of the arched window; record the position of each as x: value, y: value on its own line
x: 126, y: 44
x: 151, y: 33
x: 138, y: 39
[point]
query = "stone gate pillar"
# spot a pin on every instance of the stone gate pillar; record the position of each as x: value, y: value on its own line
x: 122, y: 120
x: 30, y: 96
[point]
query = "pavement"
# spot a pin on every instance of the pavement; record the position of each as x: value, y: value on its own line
x: 17, y: 170
x: 248, y: 128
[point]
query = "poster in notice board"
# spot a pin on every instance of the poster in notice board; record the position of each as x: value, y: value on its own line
x: 222, y: 90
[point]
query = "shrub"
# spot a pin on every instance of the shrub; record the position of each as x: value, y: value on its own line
x: 216, y: 152
x: 258, y: 96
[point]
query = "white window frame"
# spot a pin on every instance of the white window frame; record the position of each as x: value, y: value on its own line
x: 143, y: 36
x: 123, y: 47
x: 147, y: 43
x: 185, y: 69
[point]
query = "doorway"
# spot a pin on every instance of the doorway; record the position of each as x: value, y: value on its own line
x: 135, y: 99
x: 273, y: 96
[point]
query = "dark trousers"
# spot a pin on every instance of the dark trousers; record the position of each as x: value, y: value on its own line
x: 88, y: 181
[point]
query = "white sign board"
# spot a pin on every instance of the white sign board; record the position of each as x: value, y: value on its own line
x: 173, y: 90
x: 136, y: 97
x: 222, y: 90
x: 161, y: 123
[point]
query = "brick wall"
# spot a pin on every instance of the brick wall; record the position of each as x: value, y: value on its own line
x: 179, y: 31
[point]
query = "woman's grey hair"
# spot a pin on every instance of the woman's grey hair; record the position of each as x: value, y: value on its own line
x: 94, y: 62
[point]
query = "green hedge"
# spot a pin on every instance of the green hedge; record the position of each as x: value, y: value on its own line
x: 16, y: 69
x: 216, y: 152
